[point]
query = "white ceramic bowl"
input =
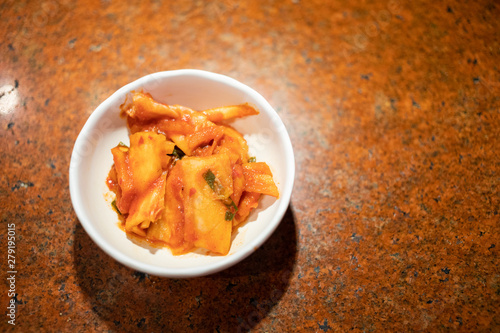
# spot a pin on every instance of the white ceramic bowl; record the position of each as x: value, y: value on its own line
x: 91, y: 160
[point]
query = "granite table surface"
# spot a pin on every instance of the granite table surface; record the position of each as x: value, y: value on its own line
x: 393, y: 112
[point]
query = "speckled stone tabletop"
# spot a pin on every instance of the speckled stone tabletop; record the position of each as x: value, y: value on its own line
x: 393, y: 111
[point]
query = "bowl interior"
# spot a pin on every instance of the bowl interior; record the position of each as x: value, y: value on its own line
x: 91, y: 160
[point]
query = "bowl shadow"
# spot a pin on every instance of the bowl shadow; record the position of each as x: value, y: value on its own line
x: 235, y: 299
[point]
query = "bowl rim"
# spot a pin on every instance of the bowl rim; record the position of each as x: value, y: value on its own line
x: 178, y: 272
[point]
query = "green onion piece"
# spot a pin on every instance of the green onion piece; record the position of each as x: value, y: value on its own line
x: 233, y: 205
x: 177, y: 153
x: 252, y: 159
x: 121, y: 144
x: 113, y: 204
x: 229, y: 216
x: 230, y: 203
x: 210, y: 179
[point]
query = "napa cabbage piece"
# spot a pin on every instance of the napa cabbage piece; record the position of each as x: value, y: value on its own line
x: 233, y: 144
x: 123, y: 174
x: 145, y: 107
x: 201, y: 131
x: 147, y: 207
x: 230, y: 112
x: 248, y: 202
x: 147, y: 157
x: 169, y: 228
x: 259, y: 179
x: 238, y: 183
x: 205, y: 223
x: 141, y: 177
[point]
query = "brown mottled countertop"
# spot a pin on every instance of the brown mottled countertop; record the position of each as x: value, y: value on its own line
x: 393, y: 111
